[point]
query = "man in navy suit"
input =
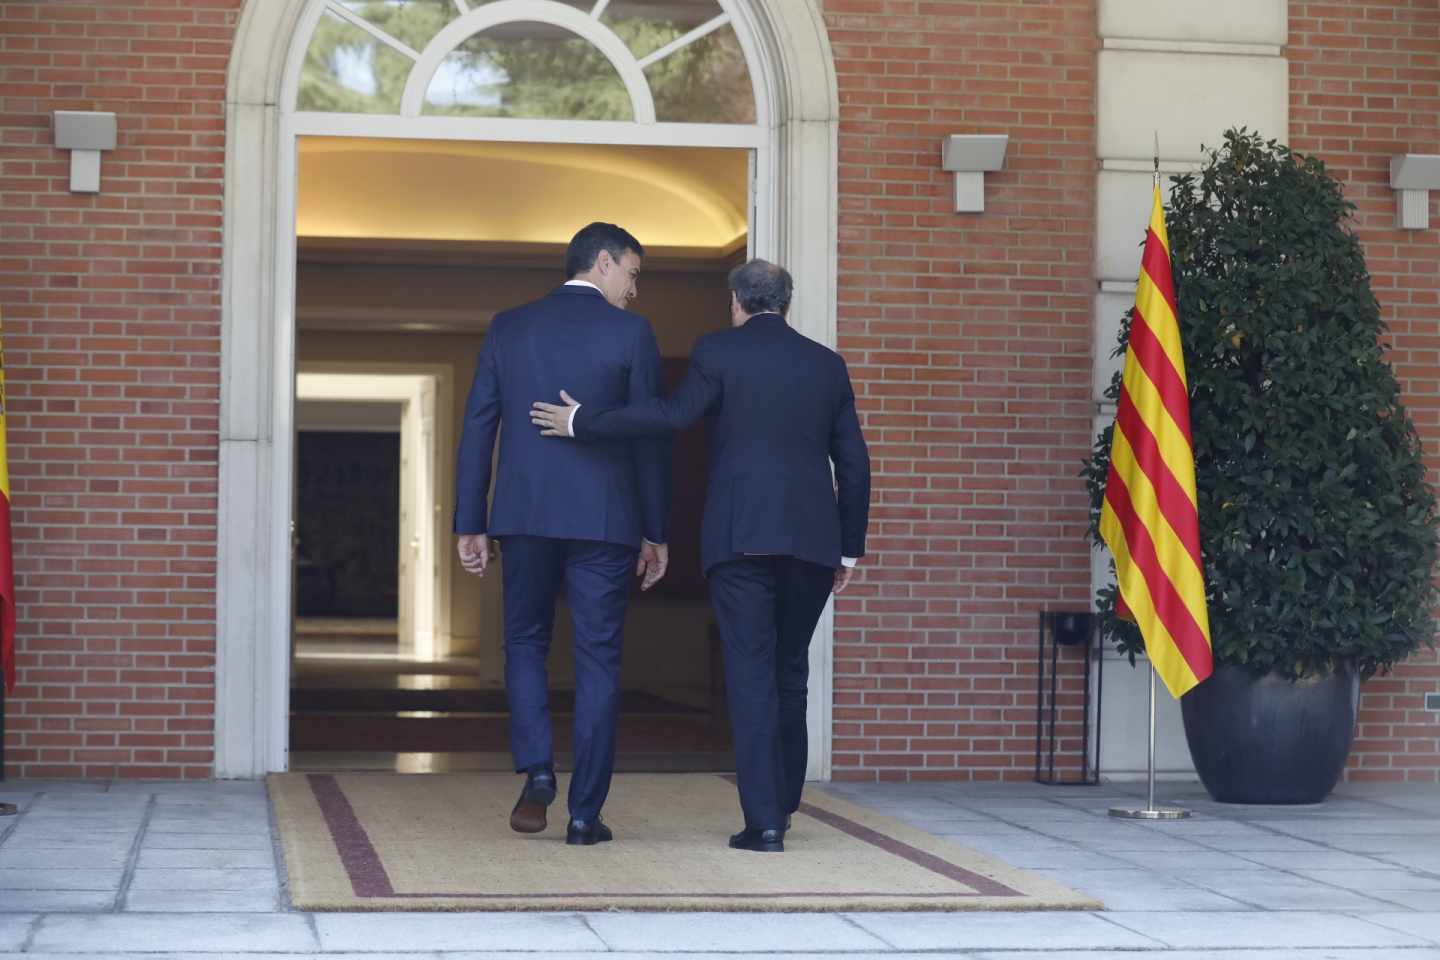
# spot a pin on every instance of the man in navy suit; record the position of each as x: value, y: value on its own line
x: 778, y: 534
x: 576, y: 517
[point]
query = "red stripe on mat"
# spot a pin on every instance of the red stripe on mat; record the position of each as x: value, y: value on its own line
x: 368, y: 877
x: 362, y: 863
x: 983, y: 886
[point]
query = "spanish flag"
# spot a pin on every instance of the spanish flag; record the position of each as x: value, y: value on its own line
x: 1149, y: 518
x: 7, y: 565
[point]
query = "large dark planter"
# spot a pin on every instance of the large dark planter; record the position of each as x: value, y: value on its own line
x: 1267, y: 739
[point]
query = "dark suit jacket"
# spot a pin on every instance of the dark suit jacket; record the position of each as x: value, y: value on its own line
x: 785, y: 411
x: 616, y: 491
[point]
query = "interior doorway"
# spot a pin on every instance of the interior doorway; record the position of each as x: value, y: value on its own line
x: 395, y: 289
x: 367, y: 511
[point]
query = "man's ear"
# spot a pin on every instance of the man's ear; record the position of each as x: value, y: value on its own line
x: 603, y: 262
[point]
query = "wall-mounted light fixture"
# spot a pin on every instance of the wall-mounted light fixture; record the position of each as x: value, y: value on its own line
x: 84, y: 133
x: 969, y: 156
x: 1412, y: 177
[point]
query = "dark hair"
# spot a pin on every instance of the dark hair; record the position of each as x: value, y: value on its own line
x: 762, y: 287
x: 586, y: 245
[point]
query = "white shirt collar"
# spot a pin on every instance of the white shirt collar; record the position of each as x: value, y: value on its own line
x: 582, y: 283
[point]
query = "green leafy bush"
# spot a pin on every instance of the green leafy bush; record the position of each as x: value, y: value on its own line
x: 1317, y: 523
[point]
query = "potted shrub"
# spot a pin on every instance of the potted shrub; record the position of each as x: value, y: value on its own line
x: 1317, y: 524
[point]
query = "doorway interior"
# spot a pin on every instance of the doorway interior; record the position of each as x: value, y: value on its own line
x: 405, y: 250
x: 367, y: 511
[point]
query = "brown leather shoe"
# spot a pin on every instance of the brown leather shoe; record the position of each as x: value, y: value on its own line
x: 537, y: 794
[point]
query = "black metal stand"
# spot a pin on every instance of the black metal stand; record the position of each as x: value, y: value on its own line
x: 1065, y: 629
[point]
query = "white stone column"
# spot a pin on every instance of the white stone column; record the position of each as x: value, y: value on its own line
x: 249, y: 729
x: 1185, y: 71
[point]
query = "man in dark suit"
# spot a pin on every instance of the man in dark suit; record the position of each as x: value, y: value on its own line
x: 777, y: 539
x: 571, y: 516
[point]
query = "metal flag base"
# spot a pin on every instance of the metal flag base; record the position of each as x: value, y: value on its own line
x: 1150, y: 811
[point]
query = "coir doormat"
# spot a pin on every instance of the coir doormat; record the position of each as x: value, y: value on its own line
x: 378, y: 841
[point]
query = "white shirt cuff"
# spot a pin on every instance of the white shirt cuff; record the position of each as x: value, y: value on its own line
x: 848, y: 561
x: 570, y: 424
x: 651, y: 543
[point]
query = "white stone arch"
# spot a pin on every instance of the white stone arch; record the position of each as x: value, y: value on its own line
x: 794, y: 222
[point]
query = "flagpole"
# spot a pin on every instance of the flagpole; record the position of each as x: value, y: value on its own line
x: 1150, y: 811
x: 1150, y: 752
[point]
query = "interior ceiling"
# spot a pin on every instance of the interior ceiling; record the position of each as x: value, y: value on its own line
x: 691, y: 199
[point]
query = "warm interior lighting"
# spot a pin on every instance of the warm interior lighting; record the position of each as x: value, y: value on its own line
x: 690, y: 197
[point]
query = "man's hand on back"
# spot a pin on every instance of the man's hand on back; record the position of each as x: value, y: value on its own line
x: 842, y: 577
x: 653, y: 561
x: 552, y: 419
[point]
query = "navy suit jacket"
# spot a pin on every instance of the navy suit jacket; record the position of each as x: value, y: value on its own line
x: 617, y: 491
x: 784, y: 411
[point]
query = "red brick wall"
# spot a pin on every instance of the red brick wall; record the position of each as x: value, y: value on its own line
x: 111, y: 308
x: 969, y: 339
x: 965, y: 331
x: 968, y: 335
x: 1364, y: 85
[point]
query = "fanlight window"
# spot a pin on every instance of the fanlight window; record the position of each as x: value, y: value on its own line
x: 667, y: 61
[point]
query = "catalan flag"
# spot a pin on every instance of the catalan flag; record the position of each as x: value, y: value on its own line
x: 7, y: 566
x: 1149, y: 518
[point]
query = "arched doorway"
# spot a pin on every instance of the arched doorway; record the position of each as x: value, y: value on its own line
x: 627, y: 96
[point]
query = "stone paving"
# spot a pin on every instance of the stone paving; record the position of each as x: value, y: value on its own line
x: 160, y: 870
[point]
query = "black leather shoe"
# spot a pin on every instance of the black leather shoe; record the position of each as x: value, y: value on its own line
x: 587, y: 833
x: 760, y: 841
x: 537, y: 794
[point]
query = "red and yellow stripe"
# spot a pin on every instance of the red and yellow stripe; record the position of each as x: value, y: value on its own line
x: 1149, y: 518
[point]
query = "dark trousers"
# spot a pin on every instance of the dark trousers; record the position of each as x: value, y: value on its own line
x: 596, y: 579
x: 767, y: 608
